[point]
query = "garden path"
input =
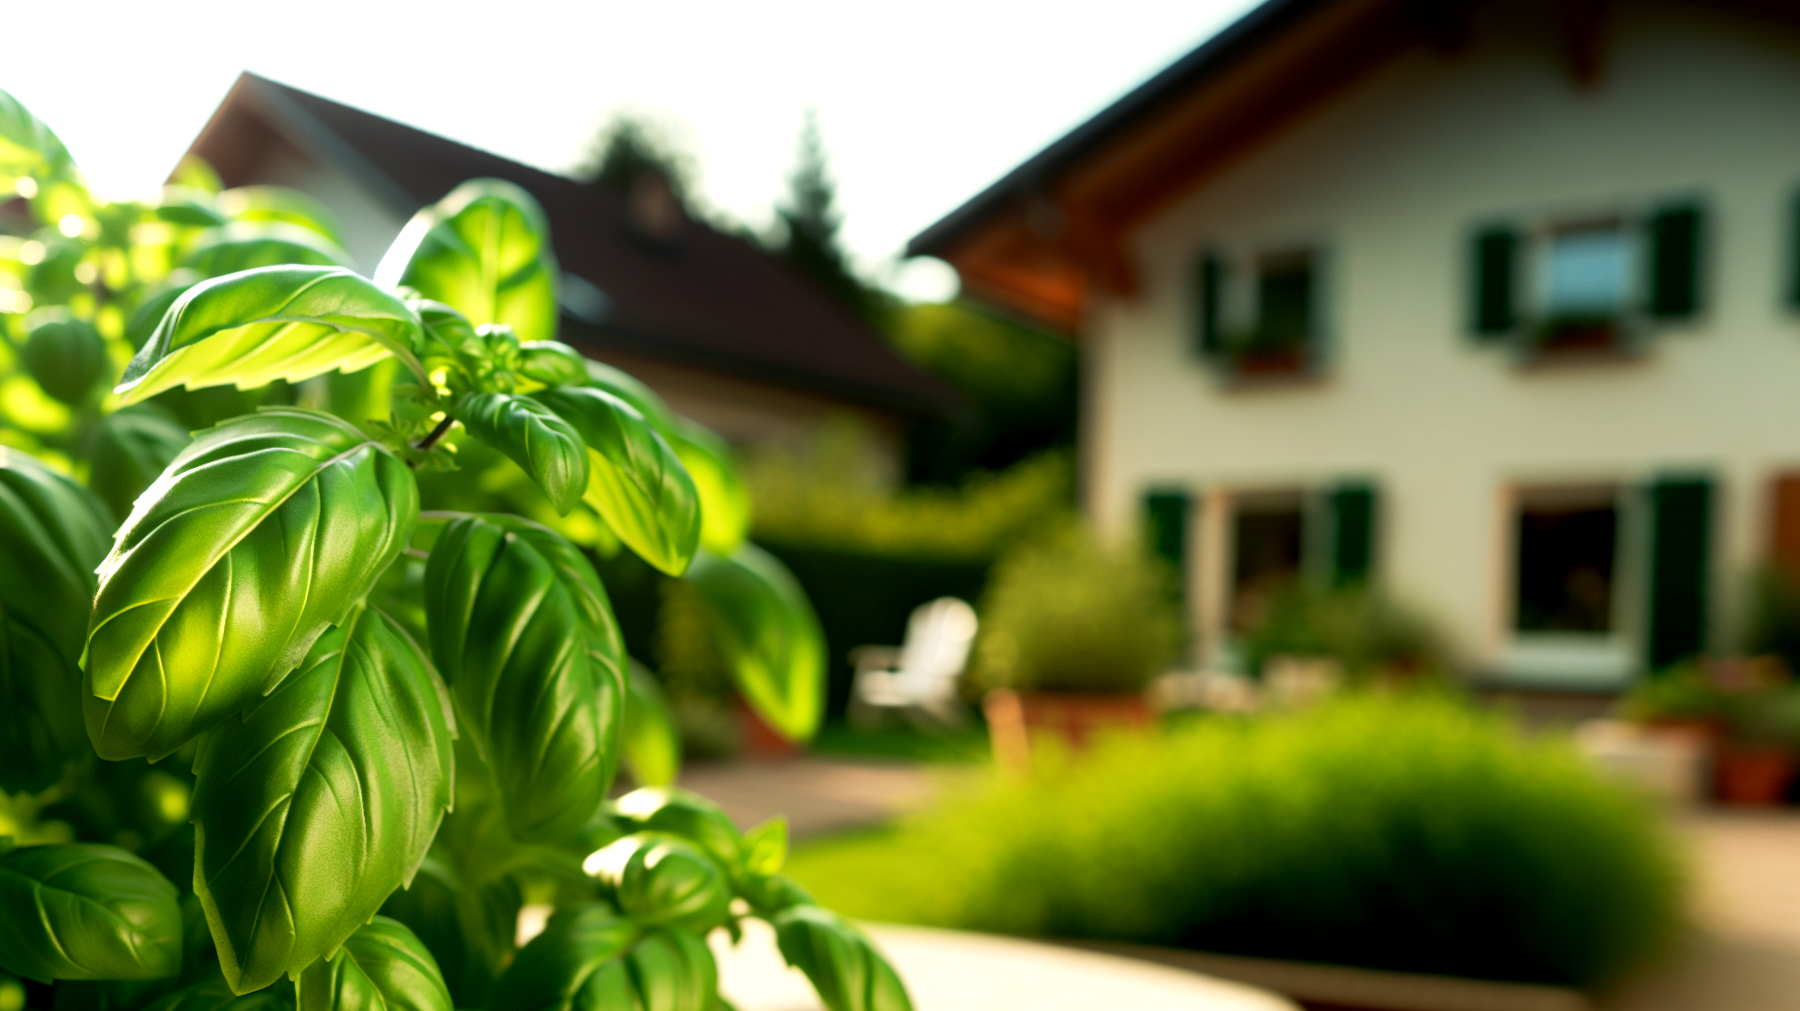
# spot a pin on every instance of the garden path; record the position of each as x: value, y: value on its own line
x: 818, y: 795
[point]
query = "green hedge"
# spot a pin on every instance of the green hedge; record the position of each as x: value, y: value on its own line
x: 1408, y: 833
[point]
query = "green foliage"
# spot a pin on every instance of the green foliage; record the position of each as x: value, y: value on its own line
x: 840, y: 960
x: 652, y: 745
x: 84, y: 911
x: 1682, y: 693
x: 1396, y: 831
x: 764, y: 628
x: 631, y: 143
x: 255, y: 625
x: 1360, y: 627
x: 1064, y: 613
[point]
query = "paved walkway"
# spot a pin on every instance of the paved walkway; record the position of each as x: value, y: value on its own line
x: 817, y: 795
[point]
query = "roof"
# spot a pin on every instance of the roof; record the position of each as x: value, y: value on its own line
x: 709, y: 299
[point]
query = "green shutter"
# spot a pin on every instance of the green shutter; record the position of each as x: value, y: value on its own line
x: 1680, y: 549
x: 1166, y: 522
x: 1209, y: 293
x: 1675, y: 236
x: 1494, y: 286
x: 1352, y: 508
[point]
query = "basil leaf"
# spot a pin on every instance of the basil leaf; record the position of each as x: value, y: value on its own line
x: 257, y: 326
x: 845, y: 969
x: 724, y: 498
x: 683, y: 813
x: 280, y: 204
x: 86, y: 911
x: 651, y: 745
x: 632, y: 390
x: 766, y: 631
x: 216, y: 995
x: 765, y: 847
x: 662, y: 880
x: 552, y: 363
x: 318, y: 804
x: 382, y: 965
x: 246, y: 245
x: 67, y: 357
x: 565, y: 967
x: 636, y: 483
x: 27, y: 146
x: 544, y: 445
x: 484, y: 249
x: 132, y: 447
x: 672, y: 970
x: 264, y: 531
x: 521, y: 629
x: 52, y: 534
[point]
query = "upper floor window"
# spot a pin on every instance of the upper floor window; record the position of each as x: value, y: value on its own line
x: 1259, y: 316
x: 1587, y: 285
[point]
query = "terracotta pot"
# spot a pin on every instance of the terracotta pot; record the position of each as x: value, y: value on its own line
x: 1072, y: 717
x: 1754, y: 775
x: 760, y: 739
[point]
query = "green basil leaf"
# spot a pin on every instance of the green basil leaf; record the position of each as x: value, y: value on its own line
x: 264, y: 531
x: 318, y: 804
x: 841, y: 961
x: 86, y: 911
x: 543, y: 444
x: 188, y: 206
x: 246, y: 245
x: 132, y: 447
x: 635, y: 481
x: 280, y: 204
x: 382, y: 966
x: 630, y: 389
x: 552, y: 363
x: 683, y: 813
x: 255, y: 327
x: 766, y: 631
x: 724, y: 498
x: 521, y: 629
x: 564, y: 967
x: 672, y: 970
x: 27, y: 146
x: 149, y: 313
x: 215, y: 995
x: 765, y: 847
x: 484, y: 249
x: 467, y: 922
x: 12, y: 993
x: 660, y: 879
x: 67, y: 357
x: 52, y: 534
x: 774, y: 893
x: 651, y: 745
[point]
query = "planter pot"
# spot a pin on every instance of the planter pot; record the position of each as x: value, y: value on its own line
x: 1074, y: 718
x: 759, y: 739
x: 1754, y: 775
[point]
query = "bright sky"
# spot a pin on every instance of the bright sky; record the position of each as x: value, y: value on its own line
x: 922, y: 103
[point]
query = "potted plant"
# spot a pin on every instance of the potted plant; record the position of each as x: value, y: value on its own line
x: 1358, y: 631
x: 1755, y: 762
x: 1072, y: 632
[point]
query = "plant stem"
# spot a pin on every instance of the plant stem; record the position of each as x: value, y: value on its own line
x: 436, y: 433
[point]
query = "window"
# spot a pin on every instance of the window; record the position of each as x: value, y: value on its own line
x: 1587, y: 273
x: 1566, y: 552
x: 1280, y: 334
x: 1268, y: 551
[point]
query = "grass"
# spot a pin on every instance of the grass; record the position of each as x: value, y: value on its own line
x: 1408, y: 833
x: 903, y: 743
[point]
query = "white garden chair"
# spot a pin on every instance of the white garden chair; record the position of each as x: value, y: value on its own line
x: 917, y: 680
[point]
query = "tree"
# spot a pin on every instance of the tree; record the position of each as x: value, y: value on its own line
x: 810, y: 223
x: 629, y: 144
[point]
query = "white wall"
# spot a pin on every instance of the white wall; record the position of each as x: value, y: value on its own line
x: 1391, y: 176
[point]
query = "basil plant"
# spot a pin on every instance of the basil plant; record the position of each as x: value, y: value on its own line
x: 391, y: 731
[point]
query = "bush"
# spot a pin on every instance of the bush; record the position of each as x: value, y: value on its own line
x: 1065, y: 613
x: 1402, y: 832
x: 1360, y: 627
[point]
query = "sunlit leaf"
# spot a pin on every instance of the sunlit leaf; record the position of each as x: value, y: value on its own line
x: 264, y: 531
x: 484, y: 249
x: 272, y: 323
x: 543, y: 444
x: 189, y: 207
x: 671, y: 970
x: 652, y: 746
x: 246, y: 245
x: 197, y: 173
x: 27, y: 146
x: 765, y: 847
x: 843, y: 964
x: 131, y: 449
x: 630, y: 389
x: 281, y: 204
x: 566, y: 966
x: 683, y: 813
x: 321, y: 801
x: 149, y: 314
x: 635, y: 481
x: 522, y: 632
x: 765, y: 629
x: 382, y: 966
x: 86, y: 911
x: 552, y: 363
x: 663, y: 880
x: 52, y: 534
x: 215, y: 995
x: 67, y: 357
x: 724, y: 497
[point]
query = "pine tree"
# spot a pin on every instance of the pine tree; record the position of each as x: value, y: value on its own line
x: 811, y: 220
x: 631, y: 142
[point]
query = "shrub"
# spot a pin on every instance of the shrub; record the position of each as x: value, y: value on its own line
x: 1401, y: 832
x: 1362, y: 628
x: 1065, y: 613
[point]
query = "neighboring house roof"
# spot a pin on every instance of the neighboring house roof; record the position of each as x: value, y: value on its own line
x: 1050, y: 230
x: 706, y: 299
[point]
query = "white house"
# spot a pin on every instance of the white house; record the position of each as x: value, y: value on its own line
x: 1495, y: 302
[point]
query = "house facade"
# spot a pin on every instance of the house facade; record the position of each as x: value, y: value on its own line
x: 724, y: 332
x: 1492, y: 303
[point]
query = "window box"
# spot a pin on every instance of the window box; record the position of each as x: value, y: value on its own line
x: 1262, y: 323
